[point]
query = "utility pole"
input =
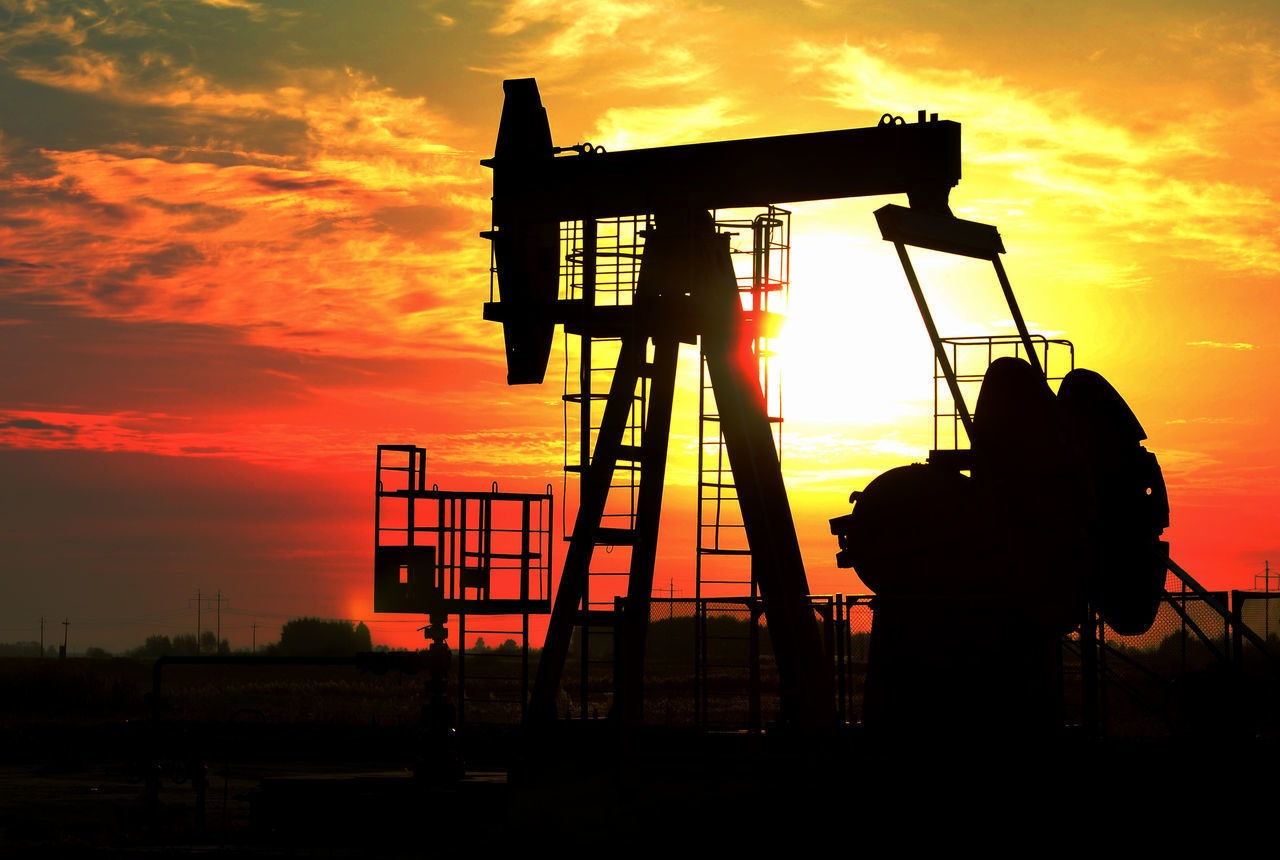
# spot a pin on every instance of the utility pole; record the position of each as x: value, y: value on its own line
x: 199, y: 602
x: 217, y: 645
x: 255, y: 638
x: 66, y: 626
x: 1266, y: 601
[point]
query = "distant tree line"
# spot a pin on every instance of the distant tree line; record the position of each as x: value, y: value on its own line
x: 183, y: 644
x: 299, y: 637
x: 510, y: 647
x: 154, y: 646
x: 26, y: 649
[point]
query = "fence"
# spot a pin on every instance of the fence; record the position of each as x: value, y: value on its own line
x: 709, y: 665
x: 1258, y: 611
x: 1139, y: 677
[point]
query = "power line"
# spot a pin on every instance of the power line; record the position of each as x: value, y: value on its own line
x: 1266, y: 578
x: 200, y: 600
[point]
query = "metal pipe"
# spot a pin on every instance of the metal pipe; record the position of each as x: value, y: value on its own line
x: 938, y: 349
x: 1007, y: 288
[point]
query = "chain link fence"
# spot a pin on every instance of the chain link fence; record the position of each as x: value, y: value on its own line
x: 1140, y: 677
x: 709, y: 665
x: 1260, y: 612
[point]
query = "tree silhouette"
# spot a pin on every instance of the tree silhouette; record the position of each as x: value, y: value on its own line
x: 323, y: 637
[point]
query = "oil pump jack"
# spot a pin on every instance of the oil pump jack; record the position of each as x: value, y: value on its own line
x: 685, y: 292
x: 1060, y: 508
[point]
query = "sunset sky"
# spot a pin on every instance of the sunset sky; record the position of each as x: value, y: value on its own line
x: 238, y: 250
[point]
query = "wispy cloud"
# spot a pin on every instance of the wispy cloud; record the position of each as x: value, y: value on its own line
x: 362, y: 237
x: 606, y: 44
x: 256, y: 10
x: 316, y: 256
x: 632, y: 128
x: 1181, y: 465
x: 1214, y: 344
x: 277, y: 438
x: 1046, y: 147
x: 36, y: 425
x: 583, y: 23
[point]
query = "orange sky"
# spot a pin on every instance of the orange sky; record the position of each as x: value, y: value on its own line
x: 238, y: 249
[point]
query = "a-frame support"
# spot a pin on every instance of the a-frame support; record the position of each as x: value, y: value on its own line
x: 687, y: 286
x: 808, y: 695
x: 568, y: 610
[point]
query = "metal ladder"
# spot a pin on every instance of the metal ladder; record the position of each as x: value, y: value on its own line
x: 723, y: 567
x: 603, y: 259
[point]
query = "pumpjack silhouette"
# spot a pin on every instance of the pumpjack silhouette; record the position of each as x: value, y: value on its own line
x: 1055, y: 511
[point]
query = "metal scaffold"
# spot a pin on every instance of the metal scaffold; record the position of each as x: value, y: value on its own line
x: 457, y: 553
x: 601, y: 269
x: 725, y: 582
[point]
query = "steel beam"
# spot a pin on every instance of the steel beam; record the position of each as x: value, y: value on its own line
x: 919, y: 159
x: 806, y: 684
x: 595, y: 492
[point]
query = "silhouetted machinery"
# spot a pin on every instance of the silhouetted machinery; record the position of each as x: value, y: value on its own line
x: 1060, y: 509
x: 978, y: 576
x: 686, y: 291
x: 454, y: 553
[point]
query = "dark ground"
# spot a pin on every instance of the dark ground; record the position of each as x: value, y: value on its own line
x: 319, y: 765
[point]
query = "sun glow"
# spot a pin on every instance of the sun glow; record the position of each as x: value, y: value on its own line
x: 851, y: 344
x: 854, y: 346
x: 857, y: 363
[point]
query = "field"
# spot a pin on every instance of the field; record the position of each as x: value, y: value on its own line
x: 317, y: 760
x: 90, y: 758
